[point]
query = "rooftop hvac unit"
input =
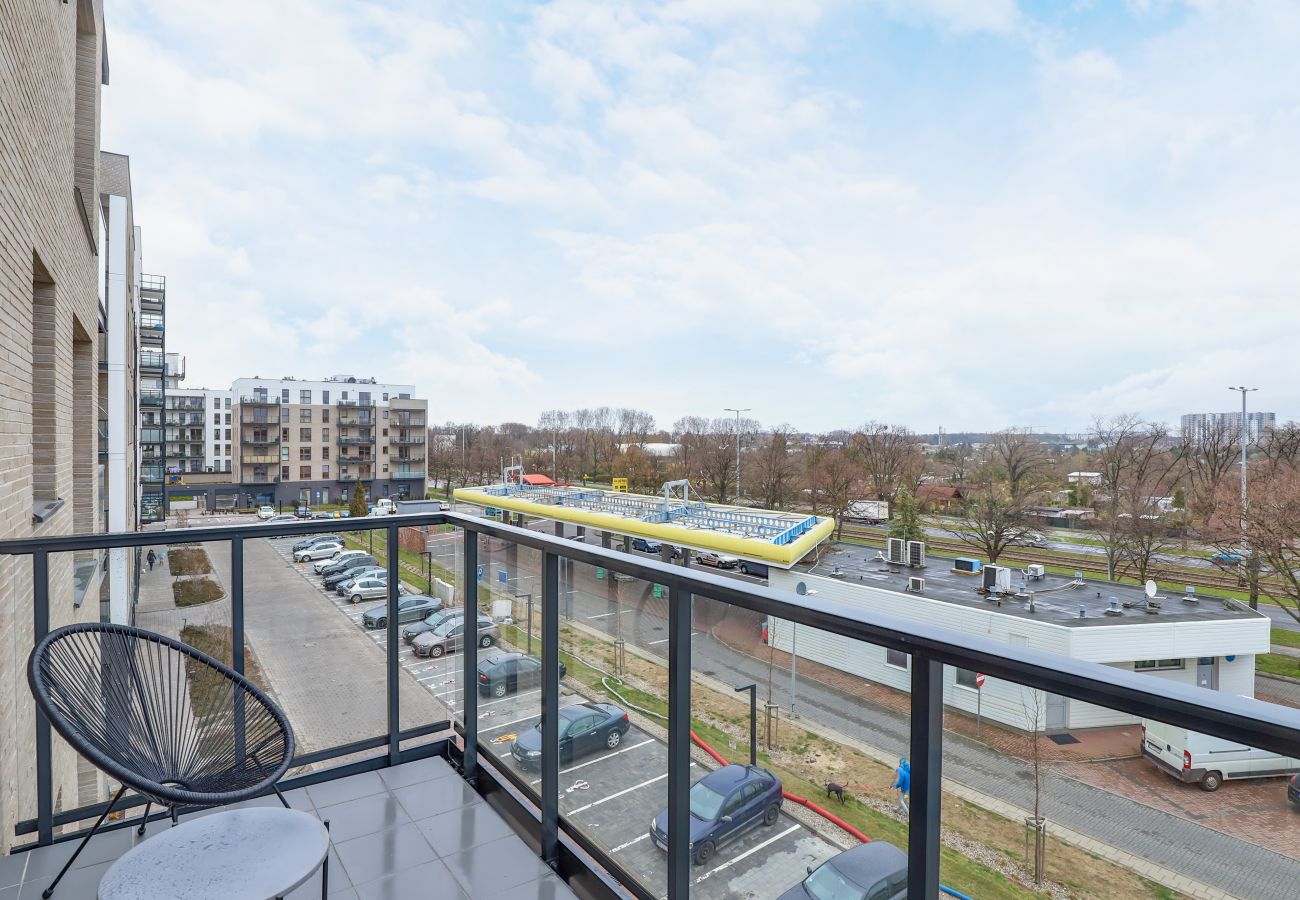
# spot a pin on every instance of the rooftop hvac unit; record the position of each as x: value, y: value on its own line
x: 896, y: 551
x: 1004, y: 580
x: 916, y: 584
x: 916, y: 554
x: 989, y: 577
x: 1035, y: 571
x: 997, y: 579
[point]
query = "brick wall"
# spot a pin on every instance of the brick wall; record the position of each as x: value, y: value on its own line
x: 39, y: 218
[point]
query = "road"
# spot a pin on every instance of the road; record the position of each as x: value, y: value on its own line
x: 1168, y: 840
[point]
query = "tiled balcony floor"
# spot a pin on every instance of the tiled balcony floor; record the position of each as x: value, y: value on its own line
x: 415, y: 830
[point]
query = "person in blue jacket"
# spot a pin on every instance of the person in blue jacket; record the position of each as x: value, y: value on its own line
x: 903, y: 784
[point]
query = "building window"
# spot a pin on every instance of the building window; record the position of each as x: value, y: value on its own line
x: 324, y: 434
x: 896, y: 658
x: 385, y: 432
x: 385, y: 414
x: 216, y: 418
x: 284, y: 395
x: 284, y: 472
x: 44, y: 414
x: 304, y: 453
x: 284, y: 454
x: 345, y: 395
x: 324, y: 471
x: 385, y: 467
x: 227, y: 434
x: 227, y: 416
x: 324, y: 415
x: 304, y: 473
x: 304, y: 415
x: 304, y: 435
x: 324, y: 452
x: 227, y: 403
x: 385, y: 449
x: 284, y: 434
x: 1156, y: 665
x: 966, y: 679
x: 324, y: 396
x: 365, y: 398
x: 385, y: 397
x: 284, y: 414
x: 304, y: 397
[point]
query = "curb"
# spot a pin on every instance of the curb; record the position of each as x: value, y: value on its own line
x: 1285, y: 679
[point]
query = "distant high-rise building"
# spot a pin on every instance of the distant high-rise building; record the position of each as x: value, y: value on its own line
x: 1198, y: 425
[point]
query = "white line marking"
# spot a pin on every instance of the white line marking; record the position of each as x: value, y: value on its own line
x: 601, y: 759
x: 574, y: 812
x: 652, y: 643
x: 630, y: 843
x: 749, y: 852
x: 513, y: 722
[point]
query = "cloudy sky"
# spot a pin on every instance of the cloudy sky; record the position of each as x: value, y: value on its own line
x: 957, y: 213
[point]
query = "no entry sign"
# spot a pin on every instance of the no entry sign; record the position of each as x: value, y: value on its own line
x: 979, y: 679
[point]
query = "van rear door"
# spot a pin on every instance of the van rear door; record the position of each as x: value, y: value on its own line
x: 1165, y: 742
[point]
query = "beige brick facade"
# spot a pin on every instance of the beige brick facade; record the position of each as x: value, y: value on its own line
x: 50, y: 65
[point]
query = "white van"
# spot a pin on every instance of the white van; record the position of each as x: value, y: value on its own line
x: 384, y: 507
x: 1202, y: 759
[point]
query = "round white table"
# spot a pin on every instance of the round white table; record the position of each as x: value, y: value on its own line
x: 240, y: 854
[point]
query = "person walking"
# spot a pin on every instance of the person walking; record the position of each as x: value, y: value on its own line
x: 903, y: 784
x: 152, y: 559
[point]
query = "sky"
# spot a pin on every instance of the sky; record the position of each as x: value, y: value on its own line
x: 958, y: 214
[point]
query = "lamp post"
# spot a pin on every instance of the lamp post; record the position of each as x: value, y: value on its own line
x: 737, y: 412
x: 1243, y: 435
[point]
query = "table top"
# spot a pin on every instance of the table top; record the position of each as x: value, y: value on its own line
x: 257, y: 854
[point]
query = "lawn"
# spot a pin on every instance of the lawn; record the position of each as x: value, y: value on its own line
x: 193, y: 591
x: 1284, y: 637
x: 209, y: 690
x: 188, y: 560
x: 1278, y: 664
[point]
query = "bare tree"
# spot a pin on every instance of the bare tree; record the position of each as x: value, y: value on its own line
x: 1137, y: 465
x: 1273, y: 533
x: 1209, y: 454
x: 836, y: 481
x: 990, y: 520
x: 1281, y: 446
x: 890, y: 457
x: 1033, y: 703
x: 774, y: 468
x: 1022, y: 460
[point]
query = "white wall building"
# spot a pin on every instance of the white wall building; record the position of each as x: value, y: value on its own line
x: 1192, y: 643
x: 1198, y: 425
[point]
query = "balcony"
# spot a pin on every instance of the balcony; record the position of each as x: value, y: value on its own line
x: 260, y: 437
x: 355, y: 459
x: 408, y: 474
x: 353, y: 476
x: 355, y: 441
x: 259, y: 400
x: 151, y: 435
x: 152, y: 473
x: 265, y: 459
x: 151, y: 398
x: 150, y: 359
x: 375, y: 722
x: 408, y: 461
x: 406, y: 420
x: 407, y: 439
x: 260, y: 479
x: 153, y: 284
x: 355, y: 419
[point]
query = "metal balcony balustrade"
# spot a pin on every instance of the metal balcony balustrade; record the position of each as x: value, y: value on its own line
x: 351, y: 441
x: 353, y: 476
x: 563, y: 845
x: 151, y: 360
x: 151, y: 398
x: 260, y: 479
x: 407, y: 439
x: 153, y: 283
x: 355, y: 459
x: 260, y: 400
x: 355, y: 420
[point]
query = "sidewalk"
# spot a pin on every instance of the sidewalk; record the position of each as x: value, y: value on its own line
x: 156, y: 609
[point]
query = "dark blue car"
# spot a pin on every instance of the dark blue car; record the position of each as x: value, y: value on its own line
x: 725, y: 804
x: 645, y: 545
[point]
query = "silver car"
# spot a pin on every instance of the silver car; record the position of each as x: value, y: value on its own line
x: 370, y: 588
x: 365, y: 572
x: 325, y: 550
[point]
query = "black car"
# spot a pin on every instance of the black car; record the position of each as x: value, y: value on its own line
x: 505, y: 673
x: 333, y: 568
x: 409, y: 609
x: 875, y: 869
x: 346, y: 570
x: 313, y: 541
x: 428, y: 623
x: 584, y: 728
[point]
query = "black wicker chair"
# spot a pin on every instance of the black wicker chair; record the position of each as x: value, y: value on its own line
x: 161, y: 718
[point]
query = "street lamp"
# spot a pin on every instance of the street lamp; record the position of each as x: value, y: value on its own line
x: 737, y: 412
x: 1245, y: 541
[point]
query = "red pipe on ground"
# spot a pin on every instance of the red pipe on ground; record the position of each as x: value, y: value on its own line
x: 794, y: 798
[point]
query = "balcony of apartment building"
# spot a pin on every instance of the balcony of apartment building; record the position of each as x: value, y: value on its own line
x: 258, y: 399
x: 256, y: 473
x: 406, y: 437
x: 404, y: 473
x: 152, y: 435
x: 355, y: 471
x: 151, y: 397
x: 152, y: 327
x: 434, y: 782
x: 185, y: 403
x: 361, y: 456
x: 153, y: 289
x: 152, y: 473
x: 407, y: 418
x: 152, y: 360
x: 358, y: 437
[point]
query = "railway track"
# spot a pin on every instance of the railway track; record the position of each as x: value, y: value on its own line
x: 1088, y: 565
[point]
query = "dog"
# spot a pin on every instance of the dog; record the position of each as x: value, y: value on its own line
x: 835, y: 790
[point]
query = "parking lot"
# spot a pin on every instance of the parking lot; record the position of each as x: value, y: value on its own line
x: 613, y: 795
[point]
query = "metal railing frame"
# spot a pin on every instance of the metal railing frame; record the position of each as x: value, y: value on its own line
x: 1247, y: 721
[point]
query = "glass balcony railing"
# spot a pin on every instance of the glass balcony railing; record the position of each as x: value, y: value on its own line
x: 643, y: 677
x: 151, y: 398
x: 260, y: 400
x: 151, y: 360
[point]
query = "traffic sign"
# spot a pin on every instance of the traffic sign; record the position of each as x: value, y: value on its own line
x: 979, y: 679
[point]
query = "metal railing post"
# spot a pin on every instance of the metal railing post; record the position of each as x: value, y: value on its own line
x: 926, y: 778
x: 550, y: 709
x: 679, y: 742
x: 469, y: 663
x: 469, y: 698
x: 394, y: 710
x: 237, y: 635
x: 44, y: 764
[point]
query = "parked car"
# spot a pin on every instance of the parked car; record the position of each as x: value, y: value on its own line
x: 506, y: 673
x: 444, y: 505
x: 265, y: 512
x: 428, y: 623
x: 749, y: 567
x: 646, y: 545
x: 383, y: 507
x: 1203, y: 759
x: 315, y: 539
x: 717, y: 560
x: 280, y: 519
x: 363, y: 572
x: 368, y: 589
x: 1030, y: 539
x: 876, y: 870
x: 302, y: 512
x: 323, y: 550
x: 446, y: 637
x: 410, y: 608
x: 1293, y: 790
x: 585, y: 728
x: 725, y: 804
x: 341, y: 557
x: 1229, y: 557
x: 349, y: 569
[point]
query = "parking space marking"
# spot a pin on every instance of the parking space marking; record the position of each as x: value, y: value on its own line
x: 749, y: 852
x: 592, y: 762
x: 574, y: 812
x: 483, y: 728
x: 636, y: 840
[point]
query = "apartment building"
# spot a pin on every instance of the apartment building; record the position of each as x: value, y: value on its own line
x: 290, y: 442
x: 1199, y: 425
